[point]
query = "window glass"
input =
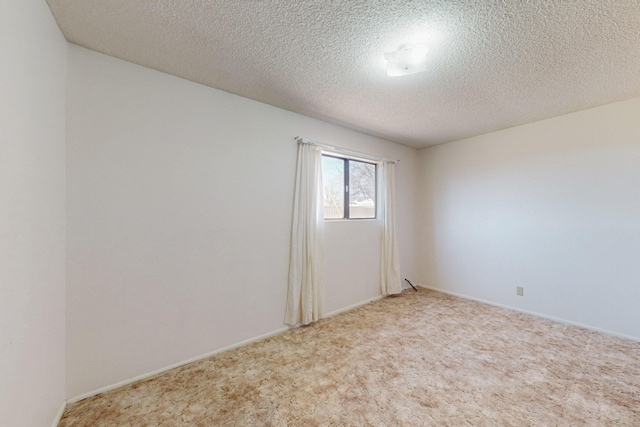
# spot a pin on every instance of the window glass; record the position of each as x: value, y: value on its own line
x: 333, y: 180
x: 351, y: 180
x: 362, y: 190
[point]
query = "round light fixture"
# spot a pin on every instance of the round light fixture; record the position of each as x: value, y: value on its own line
x: 408, y: 59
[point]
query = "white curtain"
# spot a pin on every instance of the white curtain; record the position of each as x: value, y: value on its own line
x: 390, y: 281
x: 306, y: 263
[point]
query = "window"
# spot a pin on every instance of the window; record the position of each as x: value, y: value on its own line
x: 351, y: 180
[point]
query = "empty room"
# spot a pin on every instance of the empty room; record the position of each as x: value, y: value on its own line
x: 319, y: 213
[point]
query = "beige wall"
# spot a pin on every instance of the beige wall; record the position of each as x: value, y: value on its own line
x: 168, y: 257
x: 552, y: 206
x: 32, y: 197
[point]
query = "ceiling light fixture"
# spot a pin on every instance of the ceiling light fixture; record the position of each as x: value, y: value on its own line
x: 408, y: 59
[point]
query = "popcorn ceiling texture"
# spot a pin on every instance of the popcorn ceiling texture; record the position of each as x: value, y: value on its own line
x: 493, y: 64
x: 417, y: 359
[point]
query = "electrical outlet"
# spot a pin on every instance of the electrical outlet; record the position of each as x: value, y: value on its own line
x: 519, y: 291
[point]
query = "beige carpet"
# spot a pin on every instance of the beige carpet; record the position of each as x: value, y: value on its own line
x: 418, y: 359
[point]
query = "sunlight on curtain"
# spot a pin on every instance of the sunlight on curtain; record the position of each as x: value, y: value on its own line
x: 306, y: 263
x: 389, y: 264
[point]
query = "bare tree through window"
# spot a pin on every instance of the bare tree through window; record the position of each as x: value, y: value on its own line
x: 358, y: 187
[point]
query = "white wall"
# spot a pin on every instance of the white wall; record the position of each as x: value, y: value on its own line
x: 552, y: 206
x: 32, y: 289
x: 179, y: 216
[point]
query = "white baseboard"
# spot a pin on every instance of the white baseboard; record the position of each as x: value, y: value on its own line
x: 532, y: 313
x: 175, y: 365
x: 352, y: 306
x: 207, y: 355
x: 58, y: 417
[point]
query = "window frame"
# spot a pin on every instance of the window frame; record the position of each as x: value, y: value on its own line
x: 346, y: 186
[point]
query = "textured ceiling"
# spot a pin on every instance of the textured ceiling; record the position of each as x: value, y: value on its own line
x: 492, y: 64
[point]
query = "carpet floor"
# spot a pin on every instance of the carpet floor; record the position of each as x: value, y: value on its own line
x: 417, y: 359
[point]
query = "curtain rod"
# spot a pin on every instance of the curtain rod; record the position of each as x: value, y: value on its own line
x: 366, y: 156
